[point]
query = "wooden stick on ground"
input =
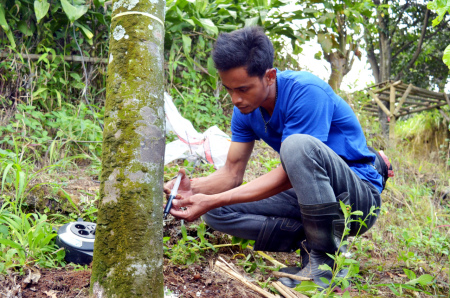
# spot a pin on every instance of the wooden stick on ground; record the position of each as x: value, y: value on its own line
x: 229, y: 265
x: 292, y: 276
x: 281, y: 288
x: 291, y: 292
x: 240, y: 278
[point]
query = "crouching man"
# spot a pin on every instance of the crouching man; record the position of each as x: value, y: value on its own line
x: 323, y: 154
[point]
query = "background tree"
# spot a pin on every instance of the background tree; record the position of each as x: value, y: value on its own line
x: 129, y: 241
x: 337, y: 26
x: 399, y: 41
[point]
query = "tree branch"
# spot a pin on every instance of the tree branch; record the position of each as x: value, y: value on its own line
x: 400, y: 15
x: 371, y: 55
x: 419, y: 47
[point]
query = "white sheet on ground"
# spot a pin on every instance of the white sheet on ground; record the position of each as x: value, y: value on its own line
x: 212, y: 145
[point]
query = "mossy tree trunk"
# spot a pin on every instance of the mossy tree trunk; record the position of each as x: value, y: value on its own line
x: 128, y: 246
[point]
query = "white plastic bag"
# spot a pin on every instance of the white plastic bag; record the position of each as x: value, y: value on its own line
x: 212, y: 145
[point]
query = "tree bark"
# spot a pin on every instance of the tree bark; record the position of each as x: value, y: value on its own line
x: 339, y: 60
x: 128, y: 249
x: 338, y: 69
x: 385, y: 63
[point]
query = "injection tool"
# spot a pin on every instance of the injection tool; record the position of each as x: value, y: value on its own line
x: 173, y: 194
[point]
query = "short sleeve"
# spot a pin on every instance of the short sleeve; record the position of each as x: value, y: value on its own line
x: 241, y: 131
x: 309, y: 110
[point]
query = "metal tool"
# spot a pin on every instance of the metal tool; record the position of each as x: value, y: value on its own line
x: 173, y: 194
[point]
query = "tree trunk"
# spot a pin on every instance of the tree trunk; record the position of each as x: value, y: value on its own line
x: 338, y: 64
x: 339, y: 60
x: 385, y: 63
x: 129, y: 248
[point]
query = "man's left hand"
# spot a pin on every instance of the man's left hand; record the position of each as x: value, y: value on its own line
x: 194, y: 206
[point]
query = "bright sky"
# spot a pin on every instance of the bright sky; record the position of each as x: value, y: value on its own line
x: 358, y: 78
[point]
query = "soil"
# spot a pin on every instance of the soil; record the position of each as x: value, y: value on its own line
x: 200, y: 279
x: 190, y: 281
x: 196, y: 280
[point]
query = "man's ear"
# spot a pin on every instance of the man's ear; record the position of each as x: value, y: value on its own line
x: 271, y: 75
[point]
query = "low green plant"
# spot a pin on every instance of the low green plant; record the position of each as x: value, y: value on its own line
x: 188, y: 249
x: 54, y: 135
x: 201, y: 108
x: 17, y: 172
x: 27, y: 239
x: 251, y: 262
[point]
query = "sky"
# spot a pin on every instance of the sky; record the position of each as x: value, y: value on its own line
x: 358, y: 78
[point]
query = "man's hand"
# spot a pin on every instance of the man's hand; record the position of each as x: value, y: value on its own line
x: 184, y: 189
x: 194, y: 206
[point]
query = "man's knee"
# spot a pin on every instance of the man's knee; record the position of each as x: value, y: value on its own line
x: 295, y: 142
x: 297, y: 146
x: 213, y: 218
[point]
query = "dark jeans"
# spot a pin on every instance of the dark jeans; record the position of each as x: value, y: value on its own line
x: 318, y: 175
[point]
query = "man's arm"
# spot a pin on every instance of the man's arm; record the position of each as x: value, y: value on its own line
x: 263, y: 187
x: 229, y: 176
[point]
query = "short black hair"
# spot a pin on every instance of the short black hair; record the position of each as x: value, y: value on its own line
x: 249, y: 47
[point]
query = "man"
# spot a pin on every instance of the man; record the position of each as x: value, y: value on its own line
x: 323, y: 154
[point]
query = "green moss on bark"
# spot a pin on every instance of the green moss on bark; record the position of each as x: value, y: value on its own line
x: 128, y: 246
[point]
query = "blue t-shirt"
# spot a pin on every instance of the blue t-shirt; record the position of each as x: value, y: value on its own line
x: 308, y: 105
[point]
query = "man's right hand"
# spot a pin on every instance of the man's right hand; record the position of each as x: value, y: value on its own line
x: 184, y: 189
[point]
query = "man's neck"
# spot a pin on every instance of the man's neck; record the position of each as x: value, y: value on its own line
x: 269, y: 103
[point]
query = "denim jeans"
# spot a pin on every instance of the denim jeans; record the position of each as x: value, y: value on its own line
x: 318, y: 175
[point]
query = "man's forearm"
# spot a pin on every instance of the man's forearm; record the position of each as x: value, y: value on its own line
x: 220, y: 181
x: 263, y: 187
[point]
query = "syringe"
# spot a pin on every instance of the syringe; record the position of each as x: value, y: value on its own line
x: 173, y: 194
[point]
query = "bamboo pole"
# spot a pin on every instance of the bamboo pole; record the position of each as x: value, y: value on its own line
x: 50, y: 57
x: 417, y: 103
x: 423, y: 109
x: 286, y: 293
x: 415, y: 97
x: 402, y: 100
x: 428, y: 92
x: 378, y: 84
x: 392, y: 116
x: 292, y: 292
x: 418, y: 94
x: 387, y: 87
x: 291, y: 276
x: 444, y: 115
x: 446, y: 99
x: 380, y: 104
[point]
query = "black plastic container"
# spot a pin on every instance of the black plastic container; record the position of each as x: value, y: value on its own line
x: 77, y: 238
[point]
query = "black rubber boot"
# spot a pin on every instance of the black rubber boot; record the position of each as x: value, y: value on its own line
x: 324, y: 226
x: 280, y: 235
x: 283, y: 235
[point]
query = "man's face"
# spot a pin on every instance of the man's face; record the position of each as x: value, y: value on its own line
x: 247, y: 93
